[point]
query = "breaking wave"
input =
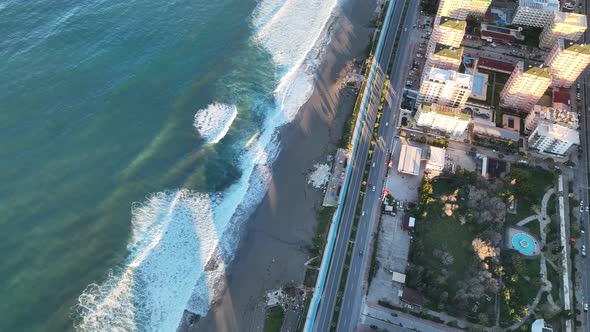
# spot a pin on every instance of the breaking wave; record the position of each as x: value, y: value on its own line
x: 182, y: 240
x: 213, y: 122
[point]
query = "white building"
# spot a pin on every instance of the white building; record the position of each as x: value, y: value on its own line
x: 553, y: 138
x: 447, y: 119
x: 550, y: 115
x: 445, y: 57
x: 552, y: 131
x: 535, y: 13
x: 446, y: 31
x: 460, y: 9
x: 409, y: 160
x: 567, y: 60
x: 445, y: 87
x: 436, y: 159
x: 570, y: 26
x: 526, y: 85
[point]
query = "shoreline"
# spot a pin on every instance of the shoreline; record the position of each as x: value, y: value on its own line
x: 276, y: 239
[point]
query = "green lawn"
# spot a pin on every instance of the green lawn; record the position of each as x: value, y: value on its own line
x: 535, y: 228
x: 536, y: 181
x: 554, y: 278
x: 274, y: 319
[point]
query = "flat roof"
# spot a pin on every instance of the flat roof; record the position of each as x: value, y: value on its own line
x: 437, y: 156
x: 561, y: 97
x: 570, y: 19
x: 452, y: 23
x: 532, y: 68
x: 448, y: 51
x: 495, y: 65
x: 398, y: 277
x: 571, y: 46
x: 559, y: 132
x: 409, y: 160
x: 498, y: 35
x: 493, y: 131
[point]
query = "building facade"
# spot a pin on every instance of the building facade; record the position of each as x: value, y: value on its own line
x: 551, y: 131
x: 567, y: 60
x: 535, y: 13
x: 570, y: 26
x: 445, y: 87
x: 444, y: 57
x: 446, y: 31
x: 447, y: 119
x: 553, y: 139
x: 525, y: 87
x: 460, y: 9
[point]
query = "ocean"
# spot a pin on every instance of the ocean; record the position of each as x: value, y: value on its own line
x: 136, y: 139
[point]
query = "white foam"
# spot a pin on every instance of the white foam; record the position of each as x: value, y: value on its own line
x: 294, y: 32
x: 175, y: 234
x: 319, y: 176
x: 213, y: 122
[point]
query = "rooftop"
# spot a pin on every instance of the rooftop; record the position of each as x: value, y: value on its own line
x: 550, y: 5
x: 436, y: 155
x: 445, y: 110
x: 562, y: 97
x: 558, y: 132
x: 448, y: 51
x: 564, y: 117
x: 531, y: 68
x: 412, y: 296
x: 495, y: 65
x: 409, y: 160
x: 570, y: 19
x: 571, y: 46
x: 443, y: 75
x: 452, y: 23
x: 491, y: 130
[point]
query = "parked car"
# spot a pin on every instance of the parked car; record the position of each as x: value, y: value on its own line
x: 586, y: 307
x: 578, y: 96
x: 581, y: 209
x: 583, y: 249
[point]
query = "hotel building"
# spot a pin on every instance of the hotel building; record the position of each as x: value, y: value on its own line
x: 551, y: 131
x: 445, y: 87
x: 448, y: 119
x: 444, y: 57
x: 446, y: 31
x: 535, y: 13
x: 460, y: 9
x: 525, y: 87
x: 567, y: 61
x: 569, y: 26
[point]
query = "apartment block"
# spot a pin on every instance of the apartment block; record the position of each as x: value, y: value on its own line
x: 460, y: 9
x: 535, y: 13
x: 551, y: 131
x: 570, y: 26
x: 450, y: 120
x: 446, y: 31
x: 526, y: 85
x: 567, y: 60
x: 553, y: 139
x: 445, y: 87
x: 444, y: 57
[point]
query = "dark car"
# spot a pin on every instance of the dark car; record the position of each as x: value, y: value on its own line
x: 374, y: 327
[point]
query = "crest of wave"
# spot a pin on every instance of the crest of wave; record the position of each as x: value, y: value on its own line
x: 213, y: 122
x: 173, y: 236
x: 294, y: 32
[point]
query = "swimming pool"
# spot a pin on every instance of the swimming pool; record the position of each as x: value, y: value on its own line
x: 524, y: 243
x: 478, y: 85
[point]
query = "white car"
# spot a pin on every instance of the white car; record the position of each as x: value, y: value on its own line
x: 373, y: 188
x: 586, y: 307
x: 583, y: 250
x: 587, y: 209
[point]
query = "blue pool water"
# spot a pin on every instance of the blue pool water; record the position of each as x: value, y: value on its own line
x: 478, y: 85
x: 524, y: 243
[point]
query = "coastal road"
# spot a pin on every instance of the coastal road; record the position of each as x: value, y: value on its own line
x: 581, y: 179
x: 352, y: 302
x: 325, y: 310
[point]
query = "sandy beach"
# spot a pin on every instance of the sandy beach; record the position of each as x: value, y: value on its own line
x: 276, y: 240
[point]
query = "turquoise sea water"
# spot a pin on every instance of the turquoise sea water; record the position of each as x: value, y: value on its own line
x: 97, y: 104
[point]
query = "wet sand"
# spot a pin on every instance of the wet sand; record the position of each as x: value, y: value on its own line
x: 276, y: 240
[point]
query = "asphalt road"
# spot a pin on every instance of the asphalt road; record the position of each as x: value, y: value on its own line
x: 353, y: 292
x: 328, y: 300
x: 581, y: 176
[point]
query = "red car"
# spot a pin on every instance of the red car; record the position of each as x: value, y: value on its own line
x: 342, y: 174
